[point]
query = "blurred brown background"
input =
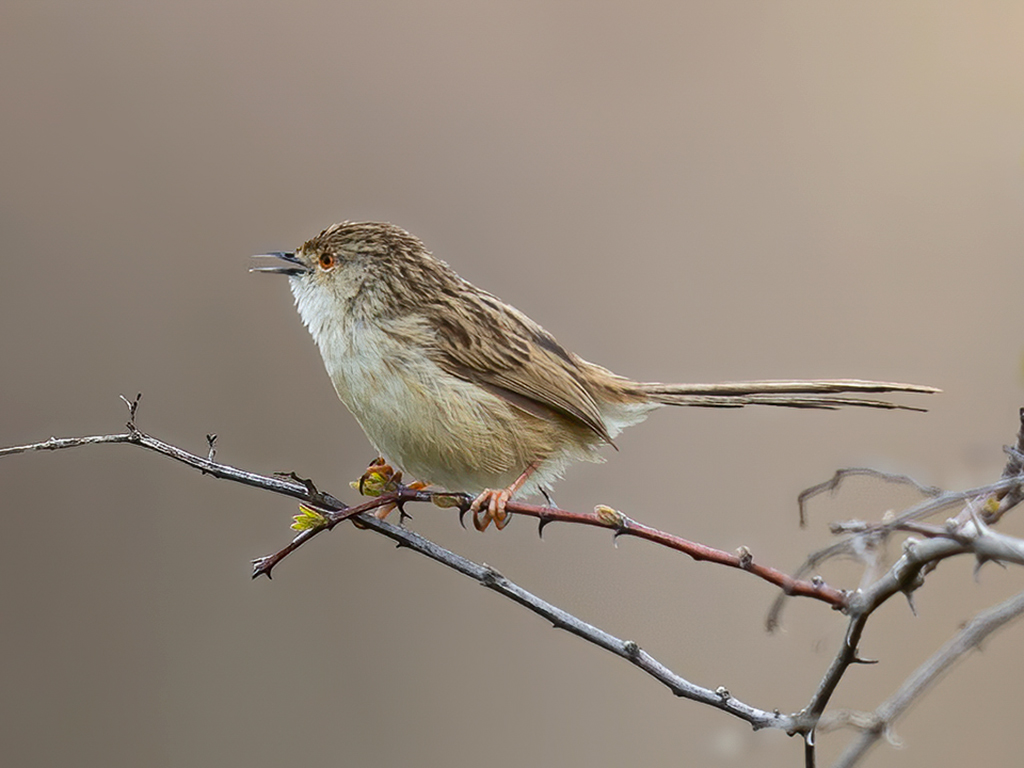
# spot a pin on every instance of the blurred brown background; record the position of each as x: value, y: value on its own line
x: 678, y: 191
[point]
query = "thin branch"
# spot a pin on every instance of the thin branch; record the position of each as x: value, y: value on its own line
x: 994, y: 500
x: 626, y: 649
x: 832, y: 485
x: 880, y: 722
x: 605, y: 517
x: 855, y: 547
x: 905, y: 576
x: 57, y: 443
x: 1014, y: 468
x: 967, y: 532
x: 207, y: 466
x: 336, y: 511
x: 865, y: 537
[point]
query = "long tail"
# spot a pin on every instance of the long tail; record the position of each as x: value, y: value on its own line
x: 823, y: 393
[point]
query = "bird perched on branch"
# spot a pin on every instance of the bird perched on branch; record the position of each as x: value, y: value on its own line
x: 459, y: 389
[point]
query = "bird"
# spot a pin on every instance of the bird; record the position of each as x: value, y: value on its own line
x: 463, y: 391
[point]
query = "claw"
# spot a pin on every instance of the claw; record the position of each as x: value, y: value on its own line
x: 475, y: 507
x: 492, y: 504
x: 495, y: 502
x: 379, y: 478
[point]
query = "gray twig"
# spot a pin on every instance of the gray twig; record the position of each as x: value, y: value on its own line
x: 968, y: 532
x: 880, y: 722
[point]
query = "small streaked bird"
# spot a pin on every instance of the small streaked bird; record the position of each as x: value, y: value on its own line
x: 459, y: 389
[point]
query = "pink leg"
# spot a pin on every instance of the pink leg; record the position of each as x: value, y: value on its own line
x: 492, y: 503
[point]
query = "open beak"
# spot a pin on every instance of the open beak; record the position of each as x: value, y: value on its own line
x: 292, y: 264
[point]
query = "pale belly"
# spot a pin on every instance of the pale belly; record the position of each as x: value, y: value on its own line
x: 451, y: 433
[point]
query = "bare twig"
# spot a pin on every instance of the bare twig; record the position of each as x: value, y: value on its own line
x: 905, y: 576
x: 994, y: 500
x: 880, y: 722
x: 605, y: 517
x: 719, y: 698
x: 832, y: 485
x: 967, y: 532
x: 58, y: 443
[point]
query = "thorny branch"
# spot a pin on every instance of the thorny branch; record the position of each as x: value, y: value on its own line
x: 968, y: 532
x: 879, y: 723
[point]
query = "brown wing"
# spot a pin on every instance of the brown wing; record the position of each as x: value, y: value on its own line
x: 480, y: 339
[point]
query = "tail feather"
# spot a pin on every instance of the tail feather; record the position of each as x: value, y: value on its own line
x: 821, y: 393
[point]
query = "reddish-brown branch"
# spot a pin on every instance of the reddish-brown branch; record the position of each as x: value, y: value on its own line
x: 624, y: 526
x: 603, y: 517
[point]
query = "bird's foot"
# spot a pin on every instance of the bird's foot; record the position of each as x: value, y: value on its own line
x: 490, y: 505
x: 379, y: 478
x: 492, y: 502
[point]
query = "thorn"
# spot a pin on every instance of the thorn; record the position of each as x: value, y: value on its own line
x: 980, y: 560
x: 858, y: 660
x: 311, y: 489
x: 541, y: 525
x: 910, y: 602
x: 892, y: 737
x: 211, y: 440
x: 262, y: 566
x: 546, y: 493
x: 402, y: 514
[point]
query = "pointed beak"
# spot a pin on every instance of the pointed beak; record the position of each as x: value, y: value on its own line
x: 292, y: 264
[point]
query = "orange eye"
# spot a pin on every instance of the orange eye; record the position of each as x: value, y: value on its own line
x: 326, y: 260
